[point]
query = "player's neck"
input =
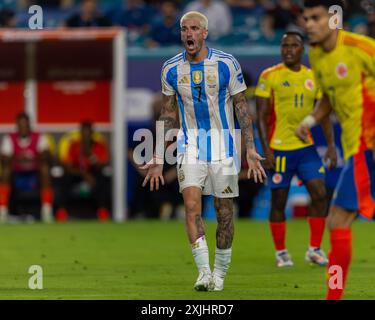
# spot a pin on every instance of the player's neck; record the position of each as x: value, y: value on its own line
x: 294, y: 67
x: 330, y: 43
x: 199, y: 57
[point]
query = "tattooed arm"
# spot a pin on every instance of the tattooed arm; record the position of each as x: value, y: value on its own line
x: 253, y: 158
x: 155, y: 168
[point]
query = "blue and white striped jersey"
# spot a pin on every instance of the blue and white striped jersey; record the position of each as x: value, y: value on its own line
x: 204, y: 92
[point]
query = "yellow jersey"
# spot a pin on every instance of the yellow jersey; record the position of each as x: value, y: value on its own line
x: 347, y: 76
x: 292, y: 94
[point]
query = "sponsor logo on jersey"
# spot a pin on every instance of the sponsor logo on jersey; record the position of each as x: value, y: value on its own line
x: 277, y: 178
x: 181, y: 175
x: 183, y: 80
x: 227, y: 190
x: 309, y: 84
x: 342, y: 70
x: 262, y: 86
x: 286, y: 84
x: 322, y: 170
x: 197, y: 77
x: 211, y: 79
x: 240, y: 78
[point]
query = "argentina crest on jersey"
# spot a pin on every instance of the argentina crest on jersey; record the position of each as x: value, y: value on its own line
x: 197, y: 76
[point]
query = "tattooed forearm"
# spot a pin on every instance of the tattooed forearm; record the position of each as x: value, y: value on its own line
x: 169, y: 123
x: 244, y: 118
x: 225, y: 223
x: 169, y: 112
x: 169, y: 116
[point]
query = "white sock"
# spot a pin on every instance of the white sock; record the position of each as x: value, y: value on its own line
x: 46, y: 212
x: 200, y: 254
x: 3, y: 213
x: 222, y: 261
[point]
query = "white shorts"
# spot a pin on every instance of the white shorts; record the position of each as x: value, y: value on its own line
x: 217, y: 178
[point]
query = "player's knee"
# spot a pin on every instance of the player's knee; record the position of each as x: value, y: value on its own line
x: 277, y: 207
x: 192, y: 207
x: 319, y: 195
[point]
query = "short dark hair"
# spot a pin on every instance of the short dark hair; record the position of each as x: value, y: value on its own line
x: 295, y: 33
x: 324, y: 3
x: 86, y: 124
x: 23, y: 115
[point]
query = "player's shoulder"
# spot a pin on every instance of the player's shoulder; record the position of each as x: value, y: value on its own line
x: 272, y: 70
x: 225, y: 57
x: 361, y: 42
x: 306, y: 70
x: 172, y: 62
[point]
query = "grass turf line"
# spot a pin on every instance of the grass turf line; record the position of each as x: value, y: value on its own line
x: 152, y: 260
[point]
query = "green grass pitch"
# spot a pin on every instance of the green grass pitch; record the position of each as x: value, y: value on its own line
x: 152, y: 260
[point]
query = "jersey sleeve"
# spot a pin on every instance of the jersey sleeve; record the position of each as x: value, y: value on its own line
x: 166, y: 84
x: 318, y: 90
x: 7, y: 148
x: 264, y: 87
x: 366, y: 51
x: 236, y: 81
x: 43, y: 144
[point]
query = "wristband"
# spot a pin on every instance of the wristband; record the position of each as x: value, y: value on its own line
x: 309, y: 121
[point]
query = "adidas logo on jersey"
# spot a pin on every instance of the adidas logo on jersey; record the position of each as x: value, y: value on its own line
x: 227, y: 190
x: 286, y: 84
x: 183, y: 80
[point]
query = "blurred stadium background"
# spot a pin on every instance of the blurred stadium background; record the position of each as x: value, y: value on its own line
x: 72, y: 81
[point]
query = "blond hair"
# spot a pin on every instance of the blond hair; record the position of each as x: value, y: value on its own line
x: 195, y: 15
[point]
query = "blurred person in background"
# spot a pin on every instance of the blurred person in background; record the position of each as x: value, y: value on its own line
x: 136, y: 17
x: 268, y: 34
x: 88, y: 16
x: 246, y: 4
x: 286, y: 93
x: 8, y: 19
x: 218, y: 14
x: 25, y: 158
x: 23, y: 4
x: 166, y: 29
x: 83, y: 174
x: 285, y: 13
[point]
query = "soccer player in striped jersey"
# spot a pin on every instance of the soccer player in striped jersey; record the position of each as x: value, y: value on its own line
x: 201, y: 87
x: 286, y: 93
x: 344, y: 64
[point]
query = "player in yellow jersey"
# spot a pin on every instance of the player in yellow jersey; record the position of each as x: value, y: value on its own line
x: 286, y: 93
x: 344, y: 64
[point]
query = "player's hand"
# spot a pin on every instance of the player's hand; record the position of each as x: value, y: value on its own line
x: 303, y: 132
x: 331, y: 157
x: 269, y: 162
x: 255, y: 168
x: 154, y: 174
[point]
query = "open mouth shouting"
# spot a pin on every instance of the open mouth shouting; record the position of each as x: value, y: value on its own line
x: 190, y: 44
